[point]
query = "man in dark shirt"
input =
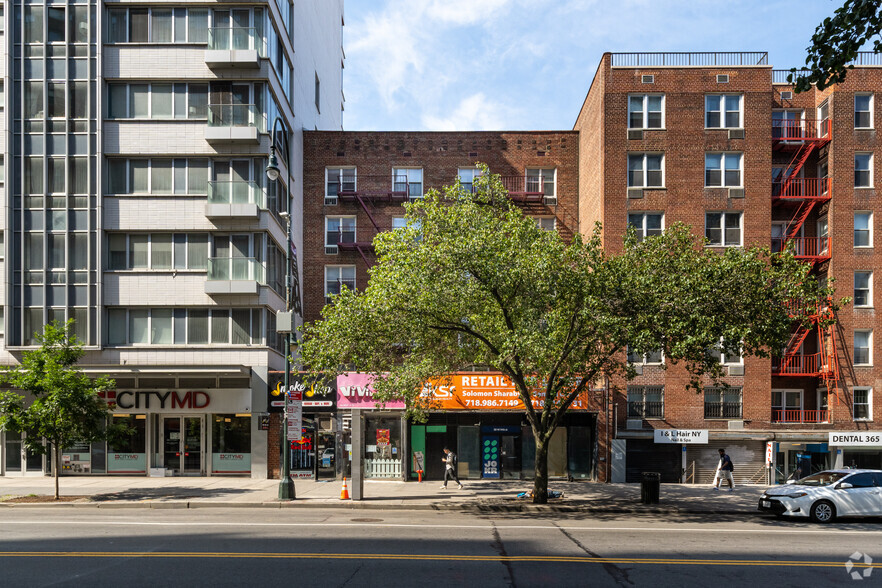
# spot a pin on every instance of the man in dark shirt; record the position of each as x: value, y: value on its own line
x: 724, y: 471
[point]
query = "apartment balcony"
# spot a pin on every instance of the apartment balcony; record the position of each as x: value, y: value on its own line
x: 799, y: 131
x: 798, y: 416
x: 814, y: 249
x: 800, y: 189
x: 528, y: 189
x: 383, y: 188
x: 235, y: 199
x: 234, y: 47
x: 810, y: 365
x: 234, y: 275
x: 234, y: 124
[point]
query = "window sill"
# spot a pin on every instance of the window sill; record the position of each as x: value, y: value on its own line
x: 723, y: 128
x: 718, y: 246
x: 863, y: 365
x: 164, y: 119
x: 148, y: 270
x: 862, y: 420
x: 647, y: 129
x: 724, y: 187
x: 647, y: 187
x: 865, y: 128
x: 856, y: 307
x: 863, y: 187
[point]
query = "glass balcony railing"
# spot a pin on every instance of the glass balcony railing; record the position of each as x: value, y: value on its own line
x: 236, y: 115
x: 236, y: 192
x: 236, y: 268
x: 236, y: 38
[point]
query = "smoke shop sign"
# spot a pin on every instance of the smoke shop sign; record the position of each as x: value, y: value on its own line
x: 170, y: 401
x: 680, y: 436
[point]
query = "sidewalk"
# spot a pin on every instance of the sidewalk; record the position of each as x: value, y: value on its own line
x: 478, y: 495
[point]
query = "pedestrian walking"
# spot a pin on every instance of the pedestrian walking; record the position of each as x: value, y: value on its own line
x: 724, y: 471
x: 449, y: 460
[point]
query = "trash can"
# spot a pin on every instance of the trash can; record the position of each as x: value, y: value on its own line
x: 650, y: 487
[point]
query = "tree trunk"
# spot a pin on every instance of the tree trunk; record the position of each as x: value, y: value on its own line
x: 56, y: 466
x: 540, y: 481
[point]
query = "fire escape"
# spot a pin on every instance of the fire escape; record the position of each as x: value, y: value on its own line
x: 799, y: 195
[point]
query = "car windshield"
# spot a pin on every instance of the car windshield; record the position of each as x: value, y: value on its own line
x: 821, y: 479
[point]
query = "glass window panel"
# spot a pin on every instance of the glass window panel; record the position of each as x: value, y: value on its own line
x: 116, y: 251
x: 197, y: 327
x: 180, y: 176
x: 161, y: 251
x: 197, y: 251
x: 198, y: 95
x: 79, y: 92
x: 55, y: 98
x: 180, y: 100
x: 180, y: 326
x: 161, y: 326
x: 79, y: 24
x: 161, y: 30
x: 180, y: 251
x: 138, y: 327
x: 138, y: 251
x: 198, y: 26
x: 55, y: 22
x: 733, y: 229
x: 180, y: 25
x: 220, y: 326
x: 117, y: 101
x: 116, y: 28
x: 34, y: 100
x: 139, y: 101
x: 139, y: 178
x: 56, y: 251
x: 33, y: 32
x: 34, y: 175
x: 79, y: 175
x: 161, y: 176
x: 117, y: 172
x: 56, y: 175
x: 138, y: 26
x: 197, y: 182
x: 162, y: 100
x: 116, y: 326
x: 241, y: 326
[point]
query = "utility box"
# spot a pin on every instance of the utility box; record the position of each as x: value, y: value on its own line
x: 284, y: 322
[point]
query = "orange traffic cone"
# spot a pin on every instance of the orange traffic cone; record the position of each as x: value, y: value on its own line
x: 344, y: 493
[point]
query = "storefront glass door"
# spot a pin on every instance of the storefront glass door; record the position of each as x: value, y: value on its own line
x: 182, y: 445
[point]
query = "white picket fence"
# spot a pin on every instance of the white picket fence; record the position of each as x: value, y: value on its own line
x: 382, y: 468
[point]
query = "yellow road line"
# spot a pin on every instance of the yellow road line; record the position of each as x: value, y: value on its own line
x: 435, y: 557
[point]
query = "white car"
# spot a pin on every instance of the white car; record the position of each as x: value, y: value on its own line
x: 826, y: 495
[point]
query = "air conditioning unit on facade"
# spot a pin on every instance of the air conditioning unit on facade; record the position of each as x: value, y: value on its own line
x: 330, y: 201
x: 635, y: 134
x: 635, y: 192
x: 722, y: 78
x: 638, y: 368
x: 634, y: 424
x: 648, y: 79
x: 736, y: 370
x: 786, y: 95
x: 330, y: 250
x: 736, y: 425
x: 736, y: 192
x: 736, y: 133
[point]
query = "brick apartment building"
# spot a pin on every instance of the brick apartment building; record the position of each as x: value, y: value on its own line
x: 721, y: 142
x: 716, y: 140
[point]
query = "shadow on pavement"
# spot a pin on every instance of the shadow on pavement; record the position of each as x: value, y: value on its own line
x: 176, y: 493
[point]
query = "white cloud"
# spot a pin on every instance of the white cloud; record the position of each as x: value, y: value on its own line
x: 473, y: 113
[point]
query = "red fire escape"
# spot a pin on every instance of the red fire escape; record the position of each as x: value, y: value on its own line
x: 790, y: 190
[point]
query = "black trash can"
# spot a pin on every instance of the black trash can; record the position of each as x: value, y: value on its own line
x: 650, y: 487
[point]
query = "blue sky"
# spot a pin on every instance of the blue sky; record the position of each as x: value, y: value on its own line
x: 527, y: 64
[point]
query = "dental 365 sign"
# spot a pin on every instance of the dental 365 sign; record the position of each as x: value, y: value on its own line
x: 681, y: 436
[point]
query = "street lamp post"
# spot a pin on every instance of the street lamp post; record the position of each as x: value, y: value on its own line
x: 286, y: 484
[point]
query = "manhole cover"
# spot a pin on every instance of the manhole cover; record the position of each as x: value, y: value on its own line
x: 367, y: 520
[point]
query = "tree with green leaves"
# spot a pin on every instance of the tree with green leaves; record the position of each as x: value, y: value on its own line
x: 471, y: 281
x: 836, y: 43
x: 61, y: 406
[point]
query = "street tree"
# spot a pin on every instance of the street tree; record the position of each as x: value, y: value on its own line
x: 471, y: 281
x: 836, y: 43
x: 61, y: 405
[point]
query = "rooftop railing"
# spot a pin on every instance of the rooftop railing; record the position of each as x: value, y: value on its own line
x: 688, y: 59
x: 866, y: 58
x: 779, y: 76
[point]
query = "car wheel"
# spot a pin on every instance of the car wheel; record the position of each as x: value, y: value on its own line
x: 823, y: 512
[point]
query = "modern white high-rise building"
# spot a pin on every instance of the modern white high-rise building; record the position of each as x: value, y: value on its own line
x: 135, y: 138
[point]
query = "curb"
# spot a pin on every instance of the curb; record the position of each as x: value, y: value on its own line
x: 480, y: 508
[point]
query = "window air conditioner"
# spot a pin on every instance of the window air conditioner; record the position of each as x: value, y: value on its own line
x: 736, y: 133
x: 330, y: 250
x: 736, y: 192
x: 330, y: 201
x: 648, y: 79
x: 634, y: 424
x: 722, y: 78
x: 635, y: 134
x: 786, y: 95
x: 635, y: 192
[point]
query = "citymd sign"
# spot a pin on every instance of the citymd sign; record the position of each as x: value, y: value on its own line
x: 680, y: 436
x: 856, y: 439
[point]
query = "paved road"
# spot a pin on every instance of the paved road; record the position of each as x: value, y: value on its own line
x: 330, y: 547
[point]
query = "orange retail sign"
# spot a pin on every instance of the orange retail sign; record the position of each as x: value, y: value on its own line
x: 483, y: 392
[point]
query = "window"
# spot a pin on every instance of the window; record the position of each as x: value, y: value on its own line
x: 338, y: 277
x: 863, y: 340
x: 651, y: 358
x: 722, y: 111
x: 863, y: 229
x: 646, y: 111
x: 646, y: 170
x: 161, y: 101
x: 724, y: 356
x: 158, y: 251
x: 863, y: 170
x: 467, y: 176
x: 646, y: 402
x: 548, y: 223
x: 407, y: 180
x: 722, y: 403
x: 788, y: 124
x: 160, y: 176
x: 722, y: 170
x: 182, y: 326
x: 863, y: 289
x: 787, y: 406
x: 646, y: 224
x: 863, y: 111
x: 723, y: 229
x: 133, y: 25
x: 861, y: 404
x: 543, y: 180
x: 823, y: 116
x: 338, y: 179
x: 338, y: 229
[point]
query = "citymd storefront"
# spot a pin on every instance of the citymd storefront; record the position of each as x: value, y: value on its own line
x: 176, y: 433
x: 481, y: 418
